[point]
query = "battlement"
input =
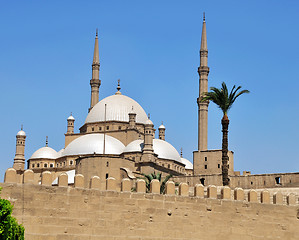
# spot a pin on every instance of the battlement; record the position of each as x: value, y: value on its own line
x: 75, y: 212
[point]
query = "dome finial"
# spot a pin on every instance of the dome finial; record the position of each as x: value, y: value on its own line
x: 22, y: 127
x: 149, y: 116
x: 181, y: 152
x: 118, y: 87
x: 204, y: 16
x: 46, y: 141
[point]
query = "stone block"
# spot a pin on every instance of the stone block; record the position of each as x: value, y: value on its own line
x: 79, y: 181
x: 265, y: 197
x: 46, y: 178
x: 291, y: 199
x: 155, y: 186
x: 199, y: 190
x: 28, y: 176
x: 170, y: 188
x: 10, y: 176
x: 212, y: 191
x: 140, y: 186
x: 183, y: 189
x: 278, y: 198
x: 95, y: 182
x: 110, y: 184
x: 252, y: 196
x: 63, y: 180
x: 225, y: 192
x: 239, y: 194
x: 126, y: 185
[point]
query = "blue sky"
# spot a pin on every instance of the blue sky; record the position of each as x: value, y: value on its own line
x: 153, y: 47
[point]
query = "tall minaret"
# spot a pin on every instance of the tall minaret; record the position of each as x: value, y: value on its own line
x: 95, y: 82
x: 19, y: 160
x: 203, y: 72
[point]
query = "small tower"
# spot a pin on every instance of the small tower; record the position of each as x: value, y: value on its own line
x: 132, y: 119
x: 95, y: 82
x: 70, y: 124
x: 19, y: 160
x: 203, y: 72
x: 148, y: 150
x: 162, y: 132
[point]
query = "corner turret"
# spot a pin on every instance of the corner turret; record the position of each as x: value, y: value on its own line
x: 19, y: 160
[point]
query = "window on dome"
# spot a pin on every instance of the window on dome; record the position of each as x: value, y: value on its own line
x: 51, y: 165
x: 63, y: 163
x: 100, y: 128
x: 45, y: 165
x: 119, y: 127
x: 57, y: 165
x: 92, y: 129
x: 32, y: 165
x: 107, y: 127
x: 71, y: 162
x: 37, y: 165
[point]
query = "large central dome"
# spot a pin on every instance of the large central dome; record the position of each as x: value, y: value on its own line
x: 118, y: 108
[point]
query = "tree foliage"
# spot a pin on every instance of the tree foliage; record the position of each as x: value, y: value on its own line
x: 9, y: 227
x: 221, y: 97
x: 149, y: 177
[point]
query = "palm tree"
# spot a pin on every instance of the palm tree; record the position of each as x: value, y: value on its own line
x: 224, y: 101
x: 149, y: 177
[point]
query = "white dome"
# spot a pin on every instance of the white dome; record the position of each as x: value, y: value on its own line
x: 70, y: 177
x: 118, y: 108
x: 161, y: 126
x: 149, y: 122
x: 188, y: 164
x: 162, y: 148
x: 71, y: 118
x: 44, y: 152
x: 94, y: 143
x: 59, y: 154
x: 21, y: 133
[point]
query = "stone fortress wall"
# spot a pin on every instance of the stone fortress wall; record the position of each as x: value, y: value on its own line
x: 64, y: 212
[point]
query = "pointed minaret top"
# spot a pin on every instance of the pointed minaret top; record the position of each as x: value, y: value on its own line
x: 46, y: 141
x: 204, y: 45
x: 96, y: 59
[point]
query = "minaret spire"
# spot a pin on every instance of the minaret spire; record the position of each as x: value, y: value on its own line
x: 203, y: 72
x: 95, y: 82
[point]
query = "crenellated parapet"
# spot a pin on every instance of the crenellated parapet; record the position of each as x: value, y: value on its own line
x: 139, y: 186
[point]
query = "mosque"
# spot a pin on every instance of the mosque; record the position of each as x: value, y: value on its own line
x: 118, y: 140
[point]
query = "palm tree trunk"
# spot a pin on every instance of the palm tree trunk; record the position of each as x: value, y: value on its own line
x: 225, y: 123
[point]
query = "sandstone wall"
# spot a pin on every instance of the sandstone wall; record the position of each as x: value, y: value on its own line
x: 72, y: 213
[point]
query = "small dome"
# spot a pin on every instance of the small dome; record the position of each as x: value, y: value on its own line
x: 45, y: 153
x: 71, y: 118
x: 188, y: 164
x: 70, y: 177
x: 149, y: 122
x: 21, y: 133
x: 161, y: 126
x: 94, y: 143
x: 118, y: 108
x: 162, y: 148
